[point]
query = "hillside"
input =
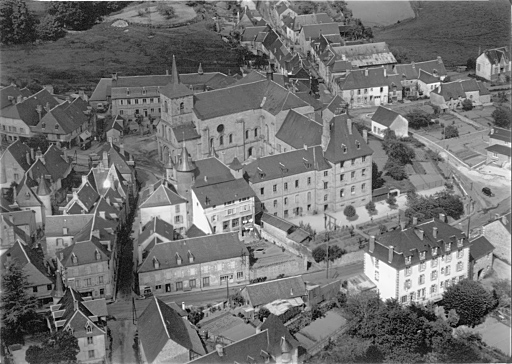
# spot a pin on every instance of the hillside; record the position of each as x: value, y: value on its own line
x: 81, y: 58
x: 452, y: 29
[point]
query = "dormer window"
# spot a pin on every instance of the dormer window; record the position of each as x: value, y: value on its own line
x: 74, y: 259
x: 434, y: 251
x: 56, y: 126
x: 156, y: 263
x: 408, y: 260
x: 265, y: 356
x: 422, y: 255
x: 43, y: 125
x: 178, y: 259
x: 27, y: 196
x: 344, y: 148
x: 97, y: 255
x: 88, y: 327
x: 190, y: 257
x: 448, y: 246
x: 144, y: 92
x: 127, y: 92
x: 358, y: 145
x: 460, y: 243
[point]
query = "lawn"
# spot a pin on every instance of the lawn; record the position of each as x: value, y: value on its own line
x: 453, y: 30
x: 81, y: 58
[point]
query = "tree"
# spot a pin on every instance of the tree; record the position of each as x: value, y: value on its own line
x: 319, y: 253
x: 470, y: 300
x: 194, y: 316
x: 450, y: 203
x: 349, y: 211
x: 17, y: 23
x: 306, y: 7
x: 335, y: 252
x: 467, y: 105
x: 238, y: 299
x: 502, y: 291
x: 395, y: 170
x: 451, y: 132
x: 418, y: 119
x: 18, y: 308
x: 401, y: 152
x: 74, y: 15
x: 401, y: 54
x: 263, y: 313
x: 165, y: 10
x: 501, y: 117
x: 370, y: 207
x: 345, y: 349
x: 471, y: 64
x: 49, y: 28
x: 501, y: 97
x: 453, y: 318
x: 60, y: 347
x: 377, y: 180
x: 38, y: 142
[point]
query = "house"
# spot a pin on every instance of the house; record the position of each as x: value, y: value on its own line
x: 60, y: 231
x: 410, y: 73
x: 112, y: 154
x: 154, y: 232
x: 257, y: 295
x: 250, y: 35
x: 23, y: 225
x: 313, y: 31
x: 35, y: 196
x: 16, y: 159
x: 417, y: 263
x: 328, y: 176
x: 194, y: 263
x: 499, y: 151
x: 282, y: 10
x: 18, y: 119
x: 12, y: 94
x: 363, y: 55
x: 166, y: 337
x: 271, y: 343
x: 39, y: 277
x: 369, y: 86
x: 450, y: 95
x: 114, y: 130
x: 10, y: 233
x: 494, y: 64
x: 284, y: 234
x: 481, y: 258
x: 225, y: 328
x: 85, y: 318
x: 293, y: 25
x: 497, y: 232
x: 386, y: 119
x: 427, y: 82
x: 237, y: 121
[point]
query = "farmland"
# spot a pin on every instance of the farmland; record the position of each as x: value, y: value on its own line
x: 81, y: 58
x: 453, y: 30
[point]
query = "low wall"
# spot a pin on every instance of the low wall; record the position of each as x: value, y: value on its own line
x: 433, y: 146
x: 271, y: 271
x: 297, y: 249
x: 346, y: 259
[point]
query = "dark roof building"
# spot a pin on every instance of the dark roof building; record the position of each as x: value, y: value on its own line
x: 411, y: 71
x: 225, y: 192
x: 259, y: 294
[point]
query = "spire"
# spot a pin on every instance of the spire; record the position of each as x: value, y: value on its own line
x: 185, y: 163
x: 286, y: 347
x: 43, y: 189
x: 175, y: 74
x: 169, y: 164
x: 58, y: 291
x: 200, y: 70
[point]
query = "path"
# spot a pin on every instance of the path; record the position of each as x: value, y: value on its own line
x: 122, y: 340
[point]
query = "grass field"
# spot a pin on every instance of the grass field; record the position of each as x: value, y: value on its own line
x: 453, y: 30
x: 81, y: 58
x: 182, y: 11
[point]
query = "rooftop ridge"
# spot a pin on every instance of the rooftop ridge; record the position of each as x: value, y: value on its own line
x: 162, y: 317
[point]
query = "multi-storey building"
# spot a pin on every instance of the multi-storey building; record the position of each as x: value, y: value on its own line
x: 191, y: 264
x: 417, y: 263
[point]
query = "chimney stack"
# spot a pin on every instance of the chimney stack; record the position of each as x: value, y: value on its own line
x: 385, y: 71
x: 220, y: 349
x: 434, y: 232
x: 366, y: 72
x: 102, y: 215
x: 32, y: 154
x: 442, y: 217
x: 420, y: 233
x: 29, y: 162
x: 504, y: 220
x: 372, y: 244
x: 349, y: 125
x: 414, y: 221
x: 365, y: 136
x: 439, y: 60
x: 121, y: 149
x: 390, y: 253
x: 105, y: 159
x: 402, y: 225
x: 39, y: 110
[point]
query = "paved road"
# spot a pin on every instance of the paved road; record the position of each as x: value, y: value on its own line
x: 122, y: 309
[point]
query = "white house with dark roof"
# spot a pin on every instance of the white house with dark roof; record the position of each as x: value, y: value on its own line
x: 386, y: 119
x: 417, y: 263
x: 494, y: 64
x: 450, y: 95
x: 167, y: 337
x: 499, y: 150
x: 194, y: 263
x: 410, y: 73
x: 427, y: 82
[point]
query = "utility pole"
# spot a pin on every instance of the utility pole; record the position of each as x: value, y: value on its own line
x: 469, y: 208
x: 327, y: 272
x: 227, y: 289
x: 134, y: 311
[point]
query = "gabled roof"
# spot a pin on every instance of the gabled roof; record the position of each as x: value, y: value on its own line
x: 411, y: 70
x: 116, y: 157
x: 176, y: 90
x: 298, y: 130
x: 451, y: 90
x: 159, y: 323
x: 428, y: 78
x: 85, y: 253
x: 220, y: 193
x: 184, y: 132
x: 250, y: 33
x: 26, y: 110
x: 25, y: 196
x: 270, y: 38
x: 499, y: 149
x: 309, y: 19
x: 480, y: 247
x: 500, y: 134
x: 367, y: 78
x: 194, y: 232
x: 209, y: 248
x: 161, y: 196
x: 63, y: 119
x: 32, y: 264
x: 337, y: 104
x: 10, y: 94
x: 341, y: 137
x: 156, y: 226
x: 115, y: 123
x: 211, y: 171
x: 56, y: 163
x: 385, y: 116
x: 269, y: 291
x: 286, y: 164
x: 18, y: 151
x: 496, y: 55
x: 313, y: 31
x: 277, y: 332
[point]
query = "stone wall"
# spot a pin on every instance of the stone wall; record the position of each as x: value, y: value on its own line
x: 348, y: 258
x: 289, y: 268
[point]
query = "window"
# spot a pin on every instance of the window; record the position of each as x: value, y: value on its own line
x: 408, y: 271
x: 285, y: 213
x: 296, y: 183
x: 353, y: 190
x: 403, y: 299
x: 206, y: 281
x: 309, y: 181
x: 342, y: 192
x: 230, y: 138
x: 91, y: 354
x: 433, y: 263
x: 239, y: 275
x: 247, y: 134
x: 326, y: 173
x: 102, y: 292
x: 158, y: 287
x: 177, y: 219
x: 274, y: 188
x: 325, y: 185
x: 460, y: 254
x: 22, y: 131
x: 376, y: 263
x: 275, y: 203
x: 382, y: 89
x: 353, y: 162
x: 221, y: 140
x: 447, y: 271
x: 421, y: 279
x: 460, y: 266
x: 262, y: 190
x: 88, y: 282
x: 182, y: 108
x: 225, y: 226
x: 363, y: 172
x: 407, y: 284
x: 325, y: 197
x: 363, y: 159
x: 377, y: 276
x: 286, y: 200
x: 422, y: 255
x: 433, y: 288
x: 286, y: 186
x: 34, y: 289
x: 179, y: 286
x: 90, y: 340
x: 49, y: 287
x: 353, y: 175
x: 448, y: 258
x: 100, y: 280
x: 363, y: 187
x: 342, y: 177
x: 255, y: 132
x: 192, y: 283
x: 433, y: 275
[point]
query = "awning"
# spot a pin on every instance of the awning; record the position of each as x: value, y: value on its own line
x: 85, y: 135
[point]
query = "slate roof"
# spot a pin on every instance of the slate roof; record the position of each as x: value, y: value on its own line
x: 385, y: 116
x: 309, y: 19
x: 63, y: 119
x: 186, y: 131
x: 286, y: 164
x: 250, y: 33
x: 75, y: 223
x: 156, y: 226
x: 458, y: 89
x: 32, y: 264
x: 313, y: 31
x: 411, y: 70
x: 85, y: 253
x: 336, y: 103
x: 427, y: 77
x: 214, y: 171
x: 306, y: 97
x: 23, y: 217
x: 269, y: 291
x: 194, y: 232
x: 12, y: 92
x: 269, y: 39
x: 102, y: 89
x: 116, y: 157
x: 277, y: 222
x: 377, y: 77
x: 227, y: 325
x: 26, y: 110
x: 408, y: 243
x: 161, y: 196
x: 56, y: 163
x: 220, y: 193
x: 207, y: 248
x: 159, y: 323
x: 500, y: 149
x: 173, y: 90
x: 363, y: 55
x: 500, y: 134
x: 298, y: 130
x: 356, y: 147
x: 480, y: 247
x: 277, y: 331
x: 115, y: 123
x: 18, y: 151
x: 496, y: 55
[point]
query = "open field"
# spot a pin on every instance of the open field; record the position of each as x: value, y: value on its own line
x: 383, y: 12
x: 81, y: 58
x: 453, y: 30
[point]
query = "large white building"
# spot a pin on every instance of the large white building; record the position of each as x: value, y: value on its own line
x: 416, y: 264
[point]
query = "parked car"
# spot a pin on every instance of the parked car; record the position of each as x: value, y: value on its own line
x: 487, y: 191
x: 145, y: 294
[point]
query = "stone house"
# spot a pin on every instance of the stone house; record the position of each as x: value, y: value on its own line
x: 60, y: 231
x: 450, y: 95
x: 481, y: 258
x: 386, y: 119
x: 494, y: 64
x: 314, y: 31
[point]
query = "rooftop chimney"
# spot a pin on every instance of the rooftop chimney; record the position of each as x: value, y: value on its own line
x: 402, y: 225
x: 385, y: 71
x: 349, y: 125
x: 365, y: 136
x: 390, y: 253
x: 84, y: 179
x: 29, y: 162
x: 439, y: 60
x: 105, y: 159
x: 366, y: 72
x: 419, y: 232
x: 504, y: 220
x: 32, y: 154
x: 372, y: 244
x: 442, y: 217
x: 414, y: 221
x: 434, y: 232
x: 19, y: 99
x: 39, y: 110
x: 220, y: 349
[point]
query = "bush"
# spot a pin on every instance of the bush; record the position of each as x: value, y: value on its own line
x: 195, y: 316
x: 319, y: 254
x: 391, y: 201
x: 49, y: 29
x: 395, y: 170
x: 400, y: 152
x: 370, y: 207
x: 418, y: 119
x: 263, y: 313
x: 501, y: 117
x: 451, y: 132
x: 349, y: 211
x: 165, y: 10
x: 467, y: 105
